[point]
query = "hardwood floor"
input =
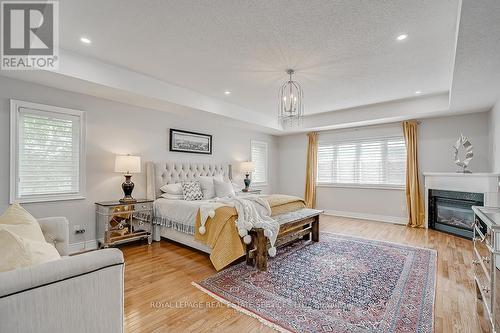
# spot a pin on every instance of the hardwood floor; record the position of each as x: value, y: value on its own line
x: 159, y: 296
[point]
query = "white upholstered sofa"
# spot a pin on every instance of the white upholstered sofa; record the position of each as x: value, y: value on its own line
x: 81, y: 293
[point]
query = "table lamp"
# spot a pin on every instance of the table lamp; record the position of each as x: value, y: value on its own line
x: 128, y: 164
x: 247, y: 168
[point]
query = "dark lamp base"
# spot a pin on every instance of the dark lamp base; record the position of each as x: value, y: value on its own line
x: 128, y: 187
x: 247, y: 182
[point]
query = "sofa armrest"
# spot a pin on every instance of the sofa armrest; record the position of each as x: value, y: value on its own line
x: 82, y: 293
x: 56, y: 232
x: 28, y: 278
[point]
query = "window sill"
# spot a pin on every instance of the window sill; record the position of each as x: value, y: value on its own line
x: 363, y: 186
x: 47, y: 199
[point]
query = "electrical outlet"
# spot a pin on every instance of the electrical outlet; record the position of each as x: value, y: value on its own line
x: 78, y: 230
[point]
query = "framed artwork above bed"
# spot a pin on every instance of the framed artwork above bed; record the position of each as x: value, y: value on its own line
x: 190, y: 142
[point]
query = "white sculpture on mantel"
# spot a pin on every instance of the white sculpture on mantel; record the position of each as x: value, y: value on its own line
x: 463, y: 143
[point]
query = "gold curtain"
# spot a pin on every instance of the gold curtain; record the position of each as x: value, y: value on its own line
x: 414, y: 201
x: 311, y: 170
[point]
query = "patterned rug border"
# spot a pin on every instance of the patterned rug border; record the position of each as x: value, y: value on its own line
x: 378, y: 241
x: 282, y: 329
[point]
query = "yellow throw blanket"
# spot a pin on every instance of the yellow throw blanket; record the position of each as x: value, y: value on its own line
x: 222, y: 235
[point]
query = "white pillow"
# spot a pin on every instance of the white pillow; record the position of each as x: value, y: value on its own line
x: 20, y: 252
x: 172, y: 196
x: 207, y: 186
x: 172, y: 188
x: 223, y: 189
x: 19, y: 221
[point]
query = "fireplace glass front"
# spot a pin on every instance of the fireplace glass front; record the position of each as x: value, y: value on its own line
x: 451, y: 211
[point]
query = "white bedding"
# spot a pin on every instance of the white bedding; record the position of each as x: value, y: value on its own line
x: 179, y: 215
x: 253, y: 211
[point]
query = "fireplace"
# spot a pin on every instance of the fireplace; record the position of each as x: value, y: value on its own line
x: 451, y: 211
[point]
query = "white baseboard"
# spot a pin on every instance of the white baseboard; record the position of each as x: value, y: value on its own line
x: 372, y: 217
x: 82, y: 246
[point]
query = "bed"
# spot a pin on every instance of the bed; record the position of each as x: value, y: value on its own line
x: 162, y: 173
x: 182, y: 221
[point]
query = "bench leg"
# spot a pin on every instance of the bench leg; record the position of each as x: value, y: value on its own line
x: 261, y: 252
x: 315, y: 229
x: 249, y: 258
x: 306, y: 237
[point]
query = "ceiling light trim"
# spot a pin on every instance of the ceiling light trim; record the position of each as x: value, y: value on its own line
x: 85, y: 40
x: 402, y: 37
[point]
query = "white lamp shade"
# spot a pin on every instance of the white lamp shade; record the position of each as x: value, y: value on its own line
x: 128, y: 164
x: 247, y: 167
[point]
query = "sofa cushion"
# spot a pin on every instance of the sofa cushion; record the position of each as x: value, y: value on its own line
x: 21, y: 223
x: 20, y: 252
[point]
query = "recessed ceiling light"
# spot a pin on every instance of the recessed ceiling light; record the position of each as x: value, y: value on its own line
x: 85, y: 40
x: 227, y: 92
x: 402, y: 37
x: 418, y: 92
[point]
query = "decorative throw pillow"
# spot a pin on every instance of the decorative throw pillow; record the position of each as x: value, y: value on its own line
x: 20, y: 222
x: 20, y: 252
x: 207, y: 186
x: 192, y: 191
x: 223, y: 189
x: 172, y: 189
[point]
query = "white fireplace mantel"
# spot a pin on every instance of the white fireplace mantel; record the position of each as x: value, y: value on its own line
x: 486, y: 183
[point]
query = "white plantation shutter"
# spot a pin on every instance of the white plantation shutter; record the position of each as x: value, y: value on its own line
x: 375, y: 161
x: 48, y: 151
x: 259, y: 158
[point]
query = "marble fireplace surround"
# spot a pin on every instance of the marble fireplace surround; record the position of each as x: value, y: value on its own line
x: 486, y: 183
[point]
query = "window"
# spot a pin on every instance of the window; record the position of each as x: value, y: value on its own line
x: 372, y: 162
x: 259, y: 158
x: 47, y: 153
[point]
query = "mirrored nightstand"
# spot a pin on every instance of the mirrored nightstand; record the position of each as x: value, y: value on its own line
x: 119, y: 223
x: 252, y: 191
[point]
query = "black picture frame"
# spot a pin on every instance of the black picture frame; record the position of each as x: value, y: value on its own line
x: 179, y: 142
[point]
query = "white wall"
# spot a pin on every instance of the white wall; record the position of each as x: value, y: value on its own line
x: 114, y: 128
x: 494, y: 122
x: 437, y: 135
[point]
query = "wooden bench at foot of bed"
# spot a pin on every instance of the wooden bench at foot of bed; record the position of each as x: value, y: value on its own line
x: 303, y: 223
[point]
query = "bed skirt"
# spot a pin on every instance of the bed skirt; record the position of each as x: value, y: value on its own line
x: 177, y: 226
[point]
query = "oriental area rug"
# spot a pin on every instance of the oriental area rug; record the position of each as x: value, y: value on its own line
x: 340, y: 284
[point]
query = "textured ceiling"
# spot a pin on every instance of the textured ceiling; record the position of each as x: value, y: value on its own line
x: 344, y: 51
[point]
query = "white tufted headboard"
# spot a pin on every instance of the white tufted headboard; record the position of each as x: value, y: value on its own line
x: 159, y: 174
